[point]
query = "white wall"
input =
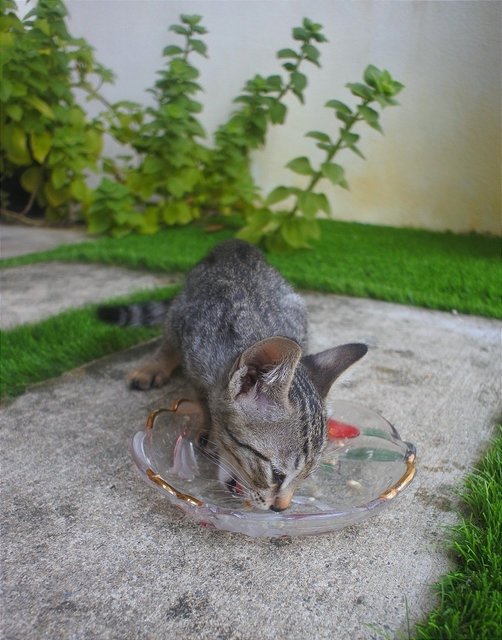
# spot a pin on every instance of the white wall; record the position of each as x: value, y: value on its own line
x: 438, y: 165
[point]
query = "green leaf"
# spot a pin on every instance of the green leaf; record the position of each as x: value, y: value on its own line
x: 333, y: 172
x: 19, y: 89
x: 311, y: 203
x: 397, y: 87
x: 292, y: 232
x: 287, y: 53
x: 277, y: 112
x: 192, y: 20
x: 324, y: 204
x: 199, y: 47
x: 311, y: 53
x: 15, y: 143
x: 312, y: 27
x: 299, y: 33
x: 149, y: 221
x: 43, y: 25
x: 7, y: 40
x: 370, y: 116
x: 249, y: 234
x: 41, y: 106
x: 5, y: 90
x: 277, y: 194
x: 349, y: 138
x: 299, y: 81
x: 339, y: 106
x: 385, y: 101
x: 98, y: 224
x: 301, y: 165
x: 318, y: 135
x: 31, y: 179
x: 361, y: 90
x: 15, y: 111
x: 94, y: 142
x: 79, y: 190
x: 58, y: 178
x: 172, y: 50
x: 177, y: 213
x: 198, y: 29
x: 274, y: 83
x: 174, y: 110
x: 181, y: 183
x: 76, y: 116
x: 55, y: 197
x: 177, y: 28
x: 372, y: 76
x: 152, y: 165
x: 297, y: 231
x: 40, y: 145
x: 259, y: 224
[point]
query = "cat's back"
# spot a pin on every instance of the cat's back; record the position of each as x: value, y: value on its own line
x: 233, y: 298
x: 235, y: 268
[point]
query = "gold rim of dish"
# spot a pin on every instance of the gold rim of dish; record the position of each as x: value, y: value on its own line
x: 155, y: 477
x: 387, y: 495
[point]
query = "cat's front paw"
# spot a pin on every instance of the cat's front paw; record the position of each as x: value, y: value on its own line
x: 148, y: 376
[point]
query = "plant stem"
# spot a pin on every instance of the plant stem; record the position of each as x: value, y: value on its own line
x: 20, y: 217
x: 93, y: 93
x: 186, y: 51
x: 330, y: 155
x: 290, y: 85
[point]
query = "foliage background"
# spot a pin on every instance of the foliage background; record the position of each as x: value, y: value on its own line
x: 438, y: 166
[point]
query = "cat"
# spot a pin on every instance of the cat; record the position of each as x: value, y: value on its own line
x: 239, y: 331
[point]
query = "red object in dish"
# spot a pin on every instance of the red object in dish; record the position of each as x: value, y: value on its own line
x: 337, y: 429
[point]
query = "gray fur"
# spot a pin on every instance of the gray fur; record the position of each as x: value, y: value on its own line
x: 240, y: 333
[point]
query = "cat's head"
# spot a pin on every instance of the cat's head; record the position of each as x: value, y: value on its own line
x: 268, y: 417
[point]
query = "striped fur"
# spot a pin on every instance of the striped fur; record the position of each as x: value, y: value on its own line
x: 144, y: 314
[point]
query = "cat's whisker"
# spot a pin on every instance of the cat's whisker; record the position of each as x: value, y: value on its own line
x: 216, y: 458
x: 229, y: 468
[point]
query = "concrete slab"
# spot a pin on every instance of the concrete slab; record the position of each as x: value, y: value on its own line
x: 33, y: 292
x: 89, y: 551
x: 17, y: 240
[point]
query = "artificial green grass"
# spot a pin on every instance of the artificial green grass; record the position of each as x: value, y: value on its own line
x: 433, y: 270
x: 32, y: 353
x: 471, y: 596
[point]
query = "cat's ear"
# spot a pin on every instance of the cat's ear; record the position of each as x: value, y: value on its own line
x: 326, y: 366
x: 265, y: 370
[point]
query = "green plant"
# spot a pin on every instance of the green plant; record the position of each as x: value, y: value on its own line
x: 157, y: 184
x: 296, y: 226
x: 166, y: 175
x: 171, y: 177
x: 229, y: 183
x: 48, y: 142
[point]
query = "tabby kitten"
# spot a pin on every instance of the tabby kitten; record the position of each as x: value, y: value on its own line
x: 239, y: 332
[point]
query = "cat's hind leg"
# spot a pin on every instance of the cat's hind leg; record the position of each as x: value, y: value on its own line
x: 157, y: 370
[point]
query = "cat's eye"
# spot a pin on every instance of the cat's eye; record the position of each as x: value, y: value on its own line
x: 278, y: 477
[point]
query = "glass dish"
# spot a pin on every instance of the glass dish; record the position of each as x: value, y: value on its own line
x: 364, y: 467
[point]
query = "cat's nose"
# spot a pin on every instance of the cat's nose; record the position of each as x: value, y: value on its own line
x: 281, y: 502
x: 277, y: 508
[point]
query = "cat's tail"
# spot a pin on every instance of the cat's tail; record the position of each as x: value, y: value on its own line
x: 142, y: 314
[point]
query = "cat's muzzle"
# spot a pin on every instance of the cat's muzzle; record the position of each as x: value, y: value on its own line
x: 282, y: 502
